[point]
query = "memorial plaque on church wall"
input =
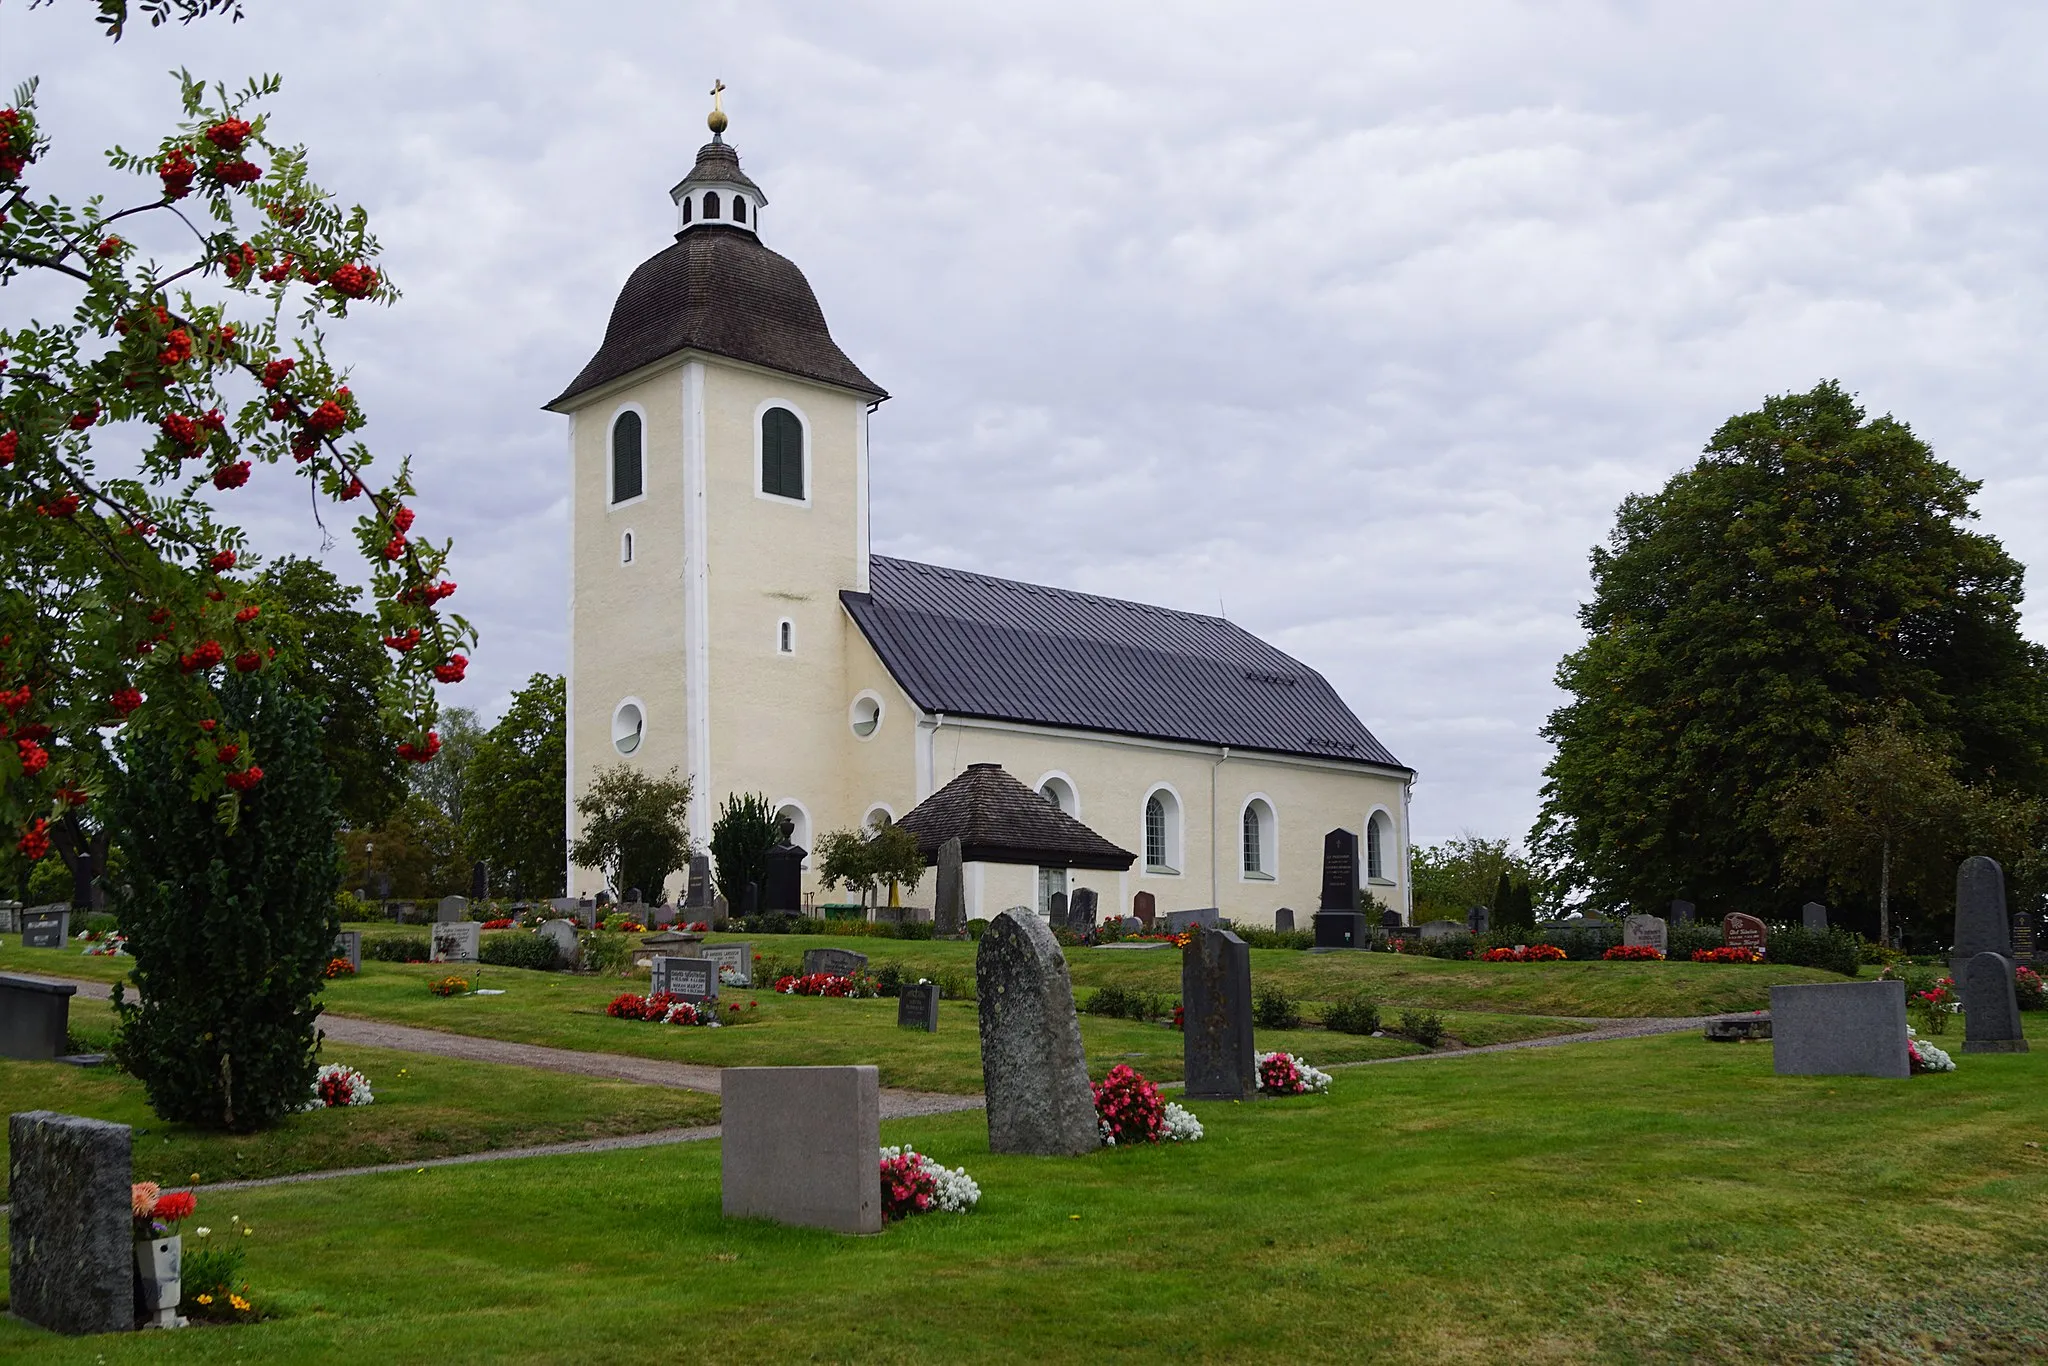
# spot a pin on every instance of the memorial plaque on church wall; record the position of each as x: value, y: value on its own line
x: 1340, y: 871
x: 1739, y: 931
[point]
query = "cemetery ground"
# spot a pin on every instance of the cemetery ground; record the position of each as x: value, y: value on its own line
x: 1659, y: 1199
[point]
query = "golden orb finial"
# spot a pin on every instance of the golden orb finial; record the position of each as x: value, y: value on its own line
x: 716, y: 119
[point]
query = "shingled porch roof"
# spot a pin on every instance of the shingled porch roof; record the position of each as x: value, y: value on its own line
x: 999, y: 820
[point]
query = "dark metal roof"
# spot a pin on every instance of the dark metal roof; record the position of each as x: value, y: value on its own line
x: 719, y: 290
x: 718, y: 164
x: 999, y: 820
x: 970, y: 645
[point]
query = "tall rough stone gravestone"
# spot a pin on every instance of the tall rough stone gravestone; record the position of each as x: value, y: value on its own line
x: 917, y: 1006
x: 698, y: 897
x: 1991, y: 1008
x: 1813, y: 916
x: 451, y: 909
x: 1283, y: 920
x: 1056, y: 910
x: 1081, y: 911
x: 784, y: 894
x: 834, y: 962
x: 721, y: 911
x: 802, y: 1146
x: 1741, y: 931
x: 1479, y: 920
x: 1681, y: 912
x: 1034, y: 1072
x: 1216, y: 989
x: 1645, y: 931
x: 349, y: 944
x: 1146, y: 907
x: 70, y: 1236
x: 46, y: 927
x: 456, y: 942
x: 1340, y: 871
x: 1840, y: 1029
x: 562, y: 934
x: 949, y: 911
x: 1982, y: 925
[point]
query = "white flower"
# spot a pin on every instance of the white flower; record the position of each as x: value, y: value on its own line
x: 1181, y: 1125
x: 955, y: 1191
x: 202, y: 1232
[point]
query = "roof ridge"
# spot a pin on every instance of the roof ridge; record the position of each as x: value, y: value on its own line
x: 1056, y: 591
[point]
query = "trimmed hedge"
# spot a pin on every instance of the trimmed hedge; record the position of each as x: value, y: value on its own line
x: 398, y: 948
x: 518, y: 949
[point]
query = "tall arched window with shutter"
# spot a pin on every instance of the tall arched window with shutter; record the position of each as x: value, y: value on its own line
x: 628, y: 481
x: 782, y: 454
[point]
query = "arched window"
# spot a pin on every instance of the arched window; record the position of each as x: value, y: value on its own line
x: 1253, y: 854
x: 626, y: 548
x: 627, y: 483
x: 1375, y: 847
x: 879, y: 819
x: 629, y: 726
x: 1059, y: 793
x: 782, y: 453
x: 1257, y: 856
x: 739, y: 209
x: 798, y: 821
x: 785, y: 637
x: 710, y: 204
x: 1162, y: 832
x: 688, y: 204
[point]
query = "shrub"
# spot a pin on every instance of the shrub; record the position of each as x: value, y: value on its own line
x: 350, y: 907
x: 1528, y: 953
x: 1275, y: 939
x: 209, y: 1271
x: 2028, y: 988
x: 1273, y: 1008
x: 1836, y: 949
x: 957, y: 986
x: 888, y: 979
x: 1879, y: 955
x: 518, y: 949
x: 100, y: 923
x: 607, y: 952
x: 1682, y: 941
x: 976, y: 929
x: 1458, y: 947
x: 398, y: 948
x: 740, y: 840
x: 1358, y: 1015
x: 1126, y: 1003
x: 231, y: 919
x: 1426, y: 1027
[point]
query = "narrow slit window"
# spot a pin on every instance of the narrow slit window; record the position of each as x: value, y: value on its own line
x: 688, y: 204
x: 785, y: 638
x: 626, y: 548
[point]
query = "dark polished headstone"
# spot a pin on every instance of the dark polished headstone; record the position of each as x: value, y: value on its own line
x: 1283, y: 920
x: 750, y: 901
x: 692, y: 979
x: 1081, y: 910
x: 479, y: 881
x: 45, y: 927
x: 1056, y: 910
x: 1340, y: 871
x: 698, y: 895
x: 1982, y: 925
x: 1991, y: 1008
x: 1216, y: 991
x: 784, y: 894
x: 1341, y: 930
x: 1479, y: 920
x: 35, y: 1018
x: 834, y: 962
x: 917, y: 1006
x: 2025, y: 927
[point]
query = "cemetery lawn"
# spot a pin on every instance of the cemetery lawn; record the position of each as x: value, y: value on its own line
x: 1649, y: 1200
x: 425, y: 1107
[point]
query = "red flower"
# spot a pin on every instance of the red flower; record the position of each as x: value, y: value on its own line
x: 328, y: 417
x: 229, y: 134
x: 176, y: 171
x: 222, y: 561
x: 352, y: 281
x: 174, y: 1206
x: 10, y: 446
x: 206, y: 656
x: 35, y: 839
x: 248, y: 662
x: 274, y: 373
x: 34, y: 758
x: 246, y: 779
x: 231, y: 476
x: 452, y: 671
x: 124, y: 701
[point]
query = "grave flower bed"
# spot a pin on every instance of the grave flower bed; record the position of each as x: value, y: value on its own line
x: 107, y: 946
x: 449, y: 986
x: 340, y: 967
x: 1283, y: 1074
x: 914, y: 1184
x: 2028, y: 988
x: 337, y: 1085
x: 1727, y: 954
x: 1925, y: 1057
x: 1128, y: 1110
x: 1524, y: 953
x: 1634, y: 953
x: 857, y: 984
x: 663, y: 1008
x: 503, y: 922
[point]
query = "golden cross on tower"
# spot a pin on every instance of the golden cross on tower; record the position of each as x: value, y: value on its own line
x: 717, y: 118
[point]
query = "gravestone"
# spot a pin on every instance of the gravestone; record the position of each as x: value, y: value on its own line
x: 1991, y: 1009
x: 479, y: 881
x: 1752, y: 1028
x: 1342, y: 930
x: 721, y: 911
x: 1645, y: 932
x: 1283, y: 920
x: 1034, y: 1072
x: 1813, y: 916
x: 663, y: 915
x: 1840, y: 1029
x: 750, y: 901
x: 1479, y: 920
x: 563, y: 906
x: 1681, y: 912
x: 1216, y: 989
x: 562, y: 934
x: 949, y: 912
x: 834, y: 962
x: 693, y: 979
x: 738, y: 957
x: 1132, y: 925
x: 1145, y: 907
x: 635, y: 900
x: 1390, y: 920
x: 349, y: 944
x: 10, y: 917
x: 698, y: 895
x: 1081, y: 911
x: 35, y: 1018
x: 917, y: 1006
x: 1442, y: 929
x: 1740, y: 931
x: 1179, y: 921
x: 1982, y: 925
x: 604, y: 900
x: 802, y: 1146
x: 70, y: 1235
x: 1056, y: 910
x: 1340, y: 871
x: 456, y: 942
x: 46, y: 927
x: 451, y: 909
x: 784, y: 894
x: 2023, y: 931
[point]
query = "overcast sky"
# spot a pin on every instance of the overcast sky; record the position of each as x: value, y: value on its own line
x: 1354, y: 322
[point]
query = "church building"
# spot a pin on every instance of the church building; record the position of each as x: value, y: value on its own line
x: 728, y: 621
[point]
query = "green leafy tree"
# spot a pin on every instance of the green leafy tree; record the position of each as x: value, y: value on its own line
x: 446, y: 783
x: 231, y: 929
x: 415, y: 852
x: 515, y: 808
x: 635, y: 828
x: 869, y: 859
x: 1810, y: 570
x: 740, y: 840
x: 1454, y: 876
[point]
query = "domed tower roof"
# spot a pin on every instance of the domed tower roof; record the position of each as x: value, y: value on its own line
x: 719, y: 290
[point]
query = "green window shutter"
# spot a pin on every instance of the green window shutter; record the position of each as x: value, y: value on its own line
x: 627, y: 479
x: 782, y: 453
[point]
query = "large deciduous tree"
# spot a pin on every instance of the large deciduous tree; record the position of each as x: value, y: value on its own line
x: 1813, y: 571
x: 515, y: 805
x: 635, y: 828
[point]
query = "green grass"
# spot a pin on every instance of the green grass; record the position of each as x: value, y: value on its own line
x: 425, y: 1107
x: 1661, y: 1200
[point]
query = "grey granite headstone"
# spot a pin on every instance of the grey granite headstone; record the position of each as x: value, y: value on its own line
x: 1216, y: 989
x: 836, y: 962
x: 1131, y: 924
x: 1441, y: 929
x: 35, y: 1018
x: 1647, y: 932
x: 1206, y: 917
x: 738, y: 957
x: 692, y: 979
x: 45, y: 927
x: 562, y: 934
x: 1991, y: 1008
x: 70, y: 1236
x: 349, y: 944
x: 802, y: 1145
x: 1056, y: 910
x: 917, y: 1006
x: 1283, y: 920
x: 10, y: 917
x: 721, y: 911
x: 1340, y: 871
x: 1034, y: 1072
x: 1840, y: 1029
x: 1982, y: 925
x: 456, y: 942
x: 949, y: 913
x: 452, y: 908
x: 1681, y: 912
x: 1479, y: 920
x: 698, y: 896
x: 1813, y: 916
x: 1081, y: 910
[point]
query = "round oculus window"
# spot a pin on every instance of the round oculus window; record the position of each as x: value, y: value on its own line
x: 627, y: 727
x: 866, y: 716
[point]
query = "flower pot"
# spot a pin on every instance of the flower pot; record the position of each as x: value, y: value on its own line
x: 158, y: 1266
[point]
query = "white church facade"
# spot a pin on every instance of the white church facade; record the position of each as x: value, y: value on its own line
x: 728, y: 620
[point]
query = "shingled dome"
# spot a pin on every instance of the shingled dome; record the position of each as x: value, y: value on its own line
x: 999, y: 820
